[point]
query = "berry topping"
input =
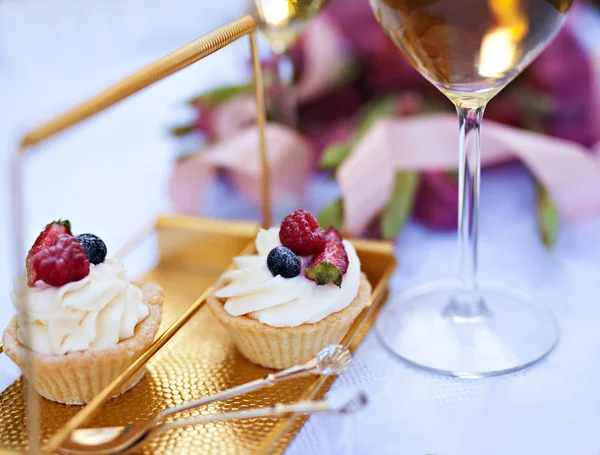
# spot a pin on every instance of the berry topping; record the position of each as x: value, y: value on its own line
x: 283, y: 261
x: 95, y: 248
x: 62, y: 263
x: 301, y: 233
x: 46, y: 239
x: 330, y: 263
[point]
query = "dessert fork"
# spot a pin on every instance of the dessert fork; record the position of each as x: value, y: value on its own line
x: 112, y: 440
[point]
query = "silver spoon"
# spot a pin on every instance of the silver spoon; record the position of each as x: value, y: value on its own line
x: 88, y: 441
x: 110, y: 440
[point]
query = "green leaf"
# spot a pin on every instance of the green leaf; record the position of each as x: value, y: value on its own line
x: 334, y: 155
x: 434, y: 106
x: 64, y: 223
x: 373, y: 112
x: 337, y: 152
x: 347, y: 72
x: 218, y: 95
x: 181, y: 130
x: 562, y: 6
x: 452, y: 175
x: 548, y: 217
x: 534, y: 104
x: 332, y: 215
x: 400, y: 205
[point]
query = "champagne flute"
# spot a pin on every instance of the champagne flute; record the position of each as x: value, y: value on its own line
x: 281, y: 22
x: 470, y: 50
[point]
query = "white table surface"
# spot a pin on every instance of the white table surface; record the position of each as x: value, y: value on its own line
x: 552, y: 408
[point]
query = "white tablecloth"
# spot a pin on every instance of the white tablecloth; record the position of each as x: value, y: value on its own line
x: 54, y: 52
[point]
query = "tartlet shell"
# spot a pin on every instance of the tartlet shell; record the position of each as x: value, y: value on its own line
x: 283, y: 347
x: 77, y: 377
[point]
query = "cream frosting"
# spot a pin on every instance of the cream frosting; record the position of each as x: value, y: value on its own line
x: 252, y: 290
x: 97, y: 311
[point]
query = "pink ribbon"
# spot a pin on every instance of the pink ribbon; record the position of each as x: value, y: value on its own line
x: 290, y: 160
x: 324, y: 58
x: 430, y: 142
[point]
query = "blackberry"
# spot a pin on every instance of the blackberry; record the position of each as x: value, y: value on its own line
x: 95, y: 248
x: 283, y: 261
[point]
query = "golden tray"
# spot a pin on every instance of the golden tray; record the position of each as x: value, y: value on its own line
x: 201, y: 359
x: 193, y: 355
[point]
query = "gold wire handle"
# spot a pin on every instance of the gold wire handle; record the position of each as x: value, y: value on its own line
x: 154, y: 72
x: 160, y: 69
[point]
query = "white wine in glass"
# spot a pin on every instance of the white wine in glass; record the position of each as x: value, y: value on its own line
x: 281, y: 22
x: 470, y: 50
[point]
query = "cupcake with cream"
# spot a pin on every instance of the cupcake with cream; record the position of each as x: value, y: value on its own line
x: 299, y: 293
x: 78, y: 318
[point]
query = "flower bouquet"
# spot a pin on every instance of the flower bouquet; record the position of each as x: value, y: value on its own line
x: 364, y: 112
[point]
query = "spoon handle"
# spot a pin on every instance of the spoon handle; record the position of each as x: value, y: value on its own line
x: 268, y: 381
x: 301, y: 407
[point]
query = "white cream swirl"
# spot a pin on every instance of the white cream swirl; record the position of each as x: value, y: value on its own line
x: 252, y: 290
x: 97, y: 311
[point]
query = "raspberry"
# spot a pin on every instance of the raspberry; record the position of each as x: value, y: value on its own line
x: 46, y: 239
x: 329, y: 264
x: 62, y: 263
x: 301, y: 233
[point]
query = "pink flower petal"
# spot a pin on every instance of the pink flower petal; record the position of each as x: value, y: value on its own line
x: 234, y: 114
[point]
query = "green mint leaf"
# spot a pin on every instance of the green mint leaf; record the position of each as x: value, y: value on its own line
x: 400, y: 205
x: 332, y: 215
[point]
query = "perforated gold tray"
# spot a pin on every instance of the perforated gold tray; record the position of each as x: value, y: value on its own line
x: 200, y: 358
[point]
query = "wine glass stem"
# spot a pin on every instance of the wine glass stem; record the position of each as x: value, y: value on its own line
x: 281, y: 99
x: 467, y: 303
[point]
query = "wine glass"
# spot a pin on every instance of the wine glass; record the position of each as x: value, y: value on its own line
x: 281, y: 22
x: 470, y: 50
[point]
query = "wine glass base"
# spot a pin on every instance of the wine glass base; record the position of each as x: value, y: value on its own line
x: 510, y: 333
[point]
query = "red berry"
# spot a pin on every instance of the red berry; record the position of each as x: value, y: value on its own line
x: 329, y: 264
x: 46, y: 239
x: 62, y: 263
x: 301, y: 233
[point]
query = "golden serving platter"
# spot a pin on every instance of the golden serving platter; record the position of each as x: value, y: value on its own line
x: 200, y: 359
x: 193, y: 355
